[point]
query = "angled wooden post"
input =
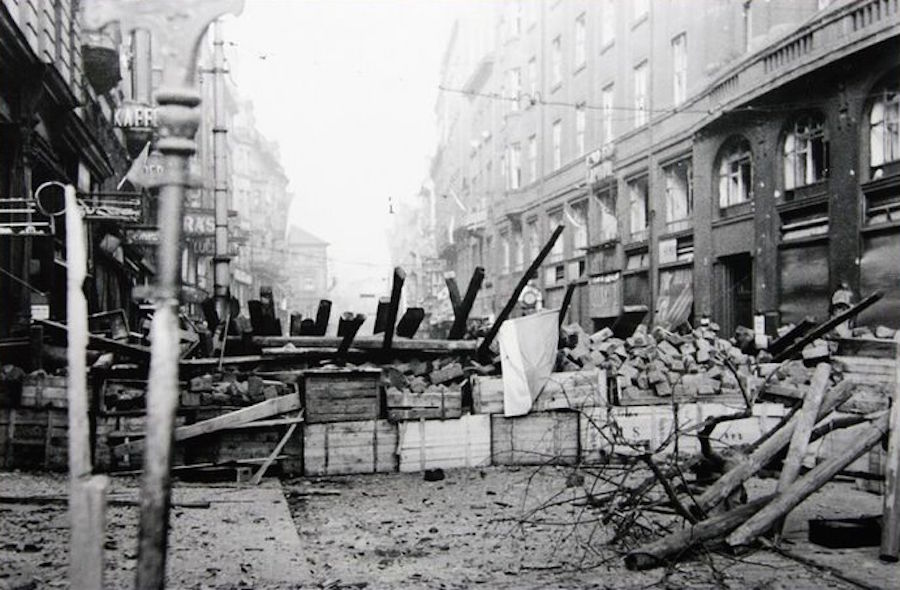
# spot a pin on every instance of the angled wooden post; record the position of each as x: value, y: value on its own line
x: 453, y: 291
x: 393, y: 306
x: 461, y: 314
x: 177, y: 28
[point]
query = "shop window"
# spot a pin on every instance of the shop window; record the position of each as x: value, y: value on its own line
x: 805, y: 153
x: 578, y: 220
x: 735, y: 175
x: 515, y: 166
x: 638, y: 221
x: 609, y: 223
x: 679, y: 191
x: 534, y: 238
x: 558, y: 251
x: 803, y: 271
x: 884, y: 126
x: 640, y: 94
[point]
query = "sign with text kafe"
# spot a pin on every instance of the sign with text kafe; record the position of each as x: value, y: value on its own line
x: 199, y: 222
x: 134, y: 115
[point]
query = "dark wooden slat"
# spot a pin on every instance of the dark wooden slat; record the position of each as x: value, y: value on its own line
x: 394, y: 306
x: 410, y: 322
x: 458, y: 330
x: 323, y: 314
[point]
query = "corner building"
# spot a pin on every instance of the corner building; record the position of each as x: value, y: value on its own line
x: 724, y: 158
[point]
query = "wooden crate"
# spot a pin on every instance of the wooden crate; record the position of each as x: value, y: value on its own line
x: 124, y: 394
x: 487, y: 394
x: 593, y: 435
x: 429, y: 444
x: 573, y: 390
x: 343, y: 448
x: 745, y: 431
x: 44, y: 391
x: 539, y: 438
x: 34, y: 438
x: 434, y: 404
x: 641, y: 429
x: 341, y: 395
x: 256, y: 443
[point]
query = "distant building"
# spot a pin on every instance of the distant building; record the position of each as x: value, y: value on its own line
x: 726, y: 158
x: 305, y: 272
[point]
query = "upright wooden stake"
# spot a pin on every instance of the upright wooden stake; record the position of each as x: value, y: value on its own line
x: 461, y: 314
x: 566, y: 302
x: 323, y: 314
x: 890, y: 526
x: 453, y: 290
x: 86, y: 496
x: 391, y: 320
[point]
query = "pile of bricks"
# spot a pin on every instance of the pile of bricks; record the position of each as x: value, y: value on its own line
x: 426, y: 389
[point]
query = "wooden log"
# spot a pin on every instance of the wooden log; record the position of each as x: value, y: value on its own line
x: 890, y: 529
x: 782, y: 342
x: 254, y: 307
x: 806, y: 421
x: 566, y: 302
x: 409, y: 323
x: 765, y: 452
x: 295, y: 328
x: 347, y: 331
x: 381, y: 315
x: 257, y: 477
x: 266, y: 409
x: 453, y: 291
x: 784, y: 502
x: 484, y: 348
x: 461, y: 315
x: 308, y: 327
x: 368, y: 343
x: 827, y: 326
x: 393, y: 307
x: 662, y: 551
x: 323, y: 314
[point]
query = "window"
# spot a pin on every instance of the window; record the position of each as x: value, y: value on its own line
x: 578, y: 219
x: 580, y: 125
x: 556, y: 64
x: 532, y: 159
x: 504, y: 171
x: 608, y: 23
x: 558, y: 251
x: 606, y: 102
x: 679, y: 191
x: 609, y: 223
x: 641, y: 8
x: 884, y: 127
x: 505, y: 252
x: 515, y: 20
x: 532, y: 80
x: 637, y: 209
x: 580, y: 41
x: 735, y: 175
x: 515, y: 166
x: 679, y: 69
x: 805, y: 153
x: 515, y: 88
x: 534, y: 238
x: 557, y: 145
x: 518, y: 248
x: 640, y: 94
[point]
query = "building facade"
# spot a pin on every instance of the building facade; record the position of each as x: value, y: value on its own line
x: 306, y: 271
x: 726, y: 158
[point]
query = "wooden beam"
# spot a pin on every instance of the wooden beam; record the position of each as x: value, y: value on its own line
x: 323, y: 314
x: 785, y: 340
x: 257, y: 323
x: 133, y: 351
x: 784, y: 502
x: 266, y: 409
x: 890, y: 527
x: 409, y: 323
x: 484, y: 349
x: 367, y: 343
x: 349, y: 332
x: 296, y: 322
x: 257, y: 477
x: 461, y: 316
x: 827, y: 326
x: 453, y: 291
x: 381, y: 315
x: 393, y: 307
x: 308, y: 327
x: 567, y: 301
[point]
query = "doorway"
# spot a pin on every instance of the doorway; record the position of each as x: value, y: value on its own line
x: 733, y: 295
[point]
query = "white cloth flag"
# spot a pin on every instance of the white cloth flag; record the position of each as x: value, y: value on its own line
x: 527, y: 356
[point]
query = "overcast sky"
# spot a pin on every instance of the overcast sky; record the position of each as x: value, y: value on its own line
x: 347, y: 88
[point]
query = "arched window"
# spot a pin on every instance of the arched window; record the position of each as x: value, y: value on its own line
x: 735, y: 172
x: 805, y: 153
x: 884, y: 126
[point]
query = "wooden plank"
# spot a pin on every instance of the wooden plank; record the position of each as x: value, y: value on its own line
x: 393, y: 307
x: 539, y: 438
x: 484, y: 347
x: 890, y: 530
x: 257, y: 477
x: 343, y: 448
x: 410, y: 322
x: 453, y: 291
x: 782, y: 342
x: 369, y: 343
x: 323, y: 314
x: 429, y: 444
x: 134, y: 351
x: 461, y: 313
x: 867, y: 347
x: 266, y: 409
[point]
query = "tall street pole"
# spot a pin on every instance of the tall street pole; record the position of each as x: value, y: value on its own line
x: 221, y: 270
x: 177, y: 27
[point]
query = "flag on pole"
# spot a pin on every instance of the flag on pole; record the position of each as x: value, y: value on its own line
x: 137, y: 174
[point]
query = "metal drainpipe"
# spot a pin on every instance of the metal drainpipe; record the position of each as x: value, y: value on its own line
x: 221, y: 258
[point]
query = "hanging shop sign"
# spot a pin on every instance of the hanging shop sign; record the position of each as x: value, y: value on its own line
x: 206, y: 246
x: 199, y: 222
x: 142, y: 236
x: 134, y: 115
x: 599, y: 163
x: 668, y: 251
x: 117, y: 207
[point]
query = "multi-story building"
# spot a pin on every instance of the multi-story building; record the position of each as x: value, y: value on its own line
x: 306, y: 271
x: 57, y: 100
x: 728, y: 158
